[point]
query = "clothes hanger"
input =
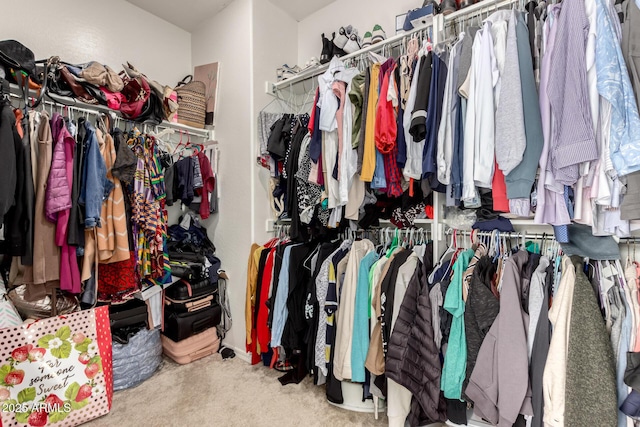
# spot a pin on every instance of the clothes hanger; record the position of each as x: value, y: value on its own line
x: 377, y: 58
x: 309, y: 97
x: 175, y: 150
x: 307, y: 262
x: 451, y: 249
x: 279, y: 101
x: 394, y: 243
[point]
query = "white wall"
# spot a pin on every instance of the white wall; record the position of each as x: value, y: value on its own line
x: 362, y: 14
x: 226, y: 38
x: 271, y: 27
x: 111, y: 32
x: 250, y: 39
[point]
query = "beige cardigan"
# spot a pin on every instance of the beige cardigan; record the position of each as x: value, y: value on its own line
x: 113, y: 240
x: 344, y: 326
x: 555, y: 370
x: 46, y: 255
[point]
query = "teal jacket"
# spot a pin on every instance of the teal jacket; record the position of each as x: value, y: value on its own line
x: 455, y: 360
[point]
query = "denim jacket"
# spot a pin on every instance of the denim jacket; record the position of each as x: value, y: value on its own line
x: 96, y: 187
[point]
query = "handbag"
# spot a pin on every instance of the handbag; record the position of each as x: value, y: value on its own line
x: 136, y: 92
x: 57, y: 371
x: 8, y: 314
x: 192, y: 103
x: 19, y: 62
x: 42, y: 308
x: 14, y: 54
x: 162, y: 100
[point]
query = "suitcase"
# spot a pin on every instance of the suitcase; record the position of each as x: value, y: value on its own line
x: 196, y: 347
x: 179, y: 326
x: 184, y: 296
x: 130, y: 313
x: 184, y: 289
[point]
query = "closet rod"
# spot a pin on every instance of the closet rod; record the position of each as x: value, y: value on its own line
x: 63, y: 101
x: 478, y: 8
x: 307, y: 75
x: 508, y: 235
x: 273, y: 88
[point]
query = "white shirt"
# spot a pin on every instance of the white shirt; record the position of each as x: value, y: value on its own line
x: 327, y: 100
x: 413, y: 165
x: 444, y: 154
x: 348, y: 156
x: 487, y: 75
x: 499, y: 21
x: 469, y: 192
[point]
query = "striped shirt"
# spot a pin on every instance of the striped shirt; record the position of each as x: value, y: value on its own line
x: 573, y: 140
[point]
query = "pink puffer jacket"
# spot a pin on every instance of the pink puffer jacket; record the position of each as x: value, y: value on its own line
x: 58, y: 195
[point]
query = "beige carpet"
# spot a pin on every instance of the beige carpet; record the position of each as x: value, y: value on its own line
x: 227, y: 393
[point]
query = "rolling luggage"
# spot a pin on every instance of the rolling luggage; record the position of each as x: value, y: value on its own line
x: 185, y: 296
x: 196, y: 347
x: 179, y: 326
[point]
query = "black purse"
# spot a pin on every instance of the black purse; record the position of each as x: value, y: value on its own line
x: 17, y: 56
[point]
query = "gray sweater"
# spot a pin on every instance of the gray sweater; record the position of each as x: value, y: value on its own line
x: 541, y: 341
x: 499, y: 384
x: 510, y: 132
x: 591, y: 396
x: 520, y: 180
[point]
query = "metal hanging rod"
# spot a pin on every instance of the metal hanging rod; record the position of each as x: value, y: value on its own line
x: 75, y: 105
x: 438, y: 21
x: 273, y: 88
x: 508, y: 235
x: 478, y: 9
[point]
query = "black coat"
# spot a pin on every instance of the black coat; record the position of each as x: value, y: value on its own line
x: 17, y: 219
x: 412, y: 358
x: 7, y: 160
x: 481, y: 311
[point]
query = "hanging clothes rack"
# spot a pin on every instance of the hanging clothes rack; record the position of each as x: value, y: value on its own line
x: 425, y: 30
x: 433, y: 30
x: 508, y: 235
x: 477, y: 9
x: 61, y: 102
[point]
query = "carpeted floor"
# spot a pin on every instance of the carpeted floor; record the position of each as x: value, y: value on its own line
x: 211, y: 392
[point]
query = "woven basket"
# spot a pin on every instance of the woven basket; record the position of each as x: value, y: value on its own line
x: 192, y: 104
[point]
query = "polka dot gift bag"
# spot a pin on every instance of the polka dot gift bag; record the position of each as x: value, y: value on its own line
x: 56, y: 370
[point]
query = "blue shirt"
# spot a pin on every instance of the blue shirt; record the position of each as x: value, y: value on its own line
x: 280, y: 311
x: 379, y: 179
x: 360, y: 338
x: 614, y: 86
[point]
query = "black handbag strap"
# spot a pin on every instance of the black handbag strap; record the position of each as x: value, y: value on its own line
x: 24, y: 83
x: 185, y: 81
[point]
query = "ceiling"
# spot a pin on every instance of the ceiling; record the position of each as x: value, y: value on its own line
x: 187, y: 14
x: 300, y: 9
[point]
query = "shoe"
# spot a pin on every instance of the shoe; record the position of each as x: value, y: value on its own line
x: 312, y: 63
x: 337, y: 51
x: 327, y: 50
x: 448, y: 6
x: 366, y: 41
x: 288, y: 72
x: 353, y: 45
x: 378, y: 34
x: 343, y: 37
